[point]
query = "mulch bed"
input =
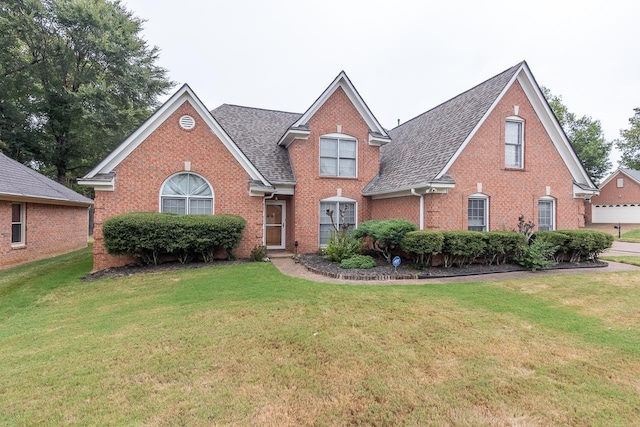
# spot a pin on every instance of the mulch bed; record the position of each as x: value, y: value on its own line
x: 383, y: 271
x: 321, y: 265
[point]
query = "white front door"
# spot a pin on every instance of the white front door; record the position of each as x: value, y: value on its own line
x: 275, y: 213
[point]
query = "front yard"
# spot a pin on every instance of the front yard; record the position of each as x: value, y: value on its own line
x: 245, y: 345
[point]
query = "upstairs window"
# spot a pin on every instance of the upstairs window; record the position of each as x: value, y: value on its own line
x: 513, y: 152
x: 338, y: 157
x: 186, y: 193
x: 17, y: 224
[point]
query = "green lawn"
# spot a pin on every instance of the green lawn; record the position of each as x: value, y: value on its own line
x: 245, y: 345
x: 631, y: 236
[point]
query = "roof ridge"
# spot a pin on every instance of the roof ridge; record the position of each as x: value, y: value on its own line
x: 514, y: 67
x: 256, y: 108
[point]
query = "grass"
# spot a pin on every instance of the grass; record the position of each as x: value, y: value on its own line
x: 245, y: 345
x: 631, y: 236
x: 624, y: 259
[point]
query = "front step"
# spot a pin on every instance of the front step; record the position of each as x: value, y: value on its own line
x: 280, y: 254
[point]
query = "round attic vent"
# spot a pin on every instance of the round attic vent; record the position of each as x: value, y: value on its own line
x: 187, y: 122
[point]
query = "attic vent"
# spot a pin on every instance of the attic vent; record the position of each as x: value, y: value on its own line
x: 187, y: 122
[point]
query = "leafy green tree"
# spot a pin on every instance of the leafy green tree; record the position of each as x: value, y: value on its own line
x: 629, y: 144
x: 586, y: 137
x: 76, y: 78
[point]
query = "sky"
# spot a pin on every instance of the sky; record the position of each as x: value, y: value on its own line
x: 404, y: 57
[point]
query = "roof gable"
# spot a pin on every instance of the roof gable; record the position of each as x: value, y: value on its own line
x: 632, y: 174
x: 299, y: 129
x: 424, y: 148
x: 184, y: 94
x: 19, y: 182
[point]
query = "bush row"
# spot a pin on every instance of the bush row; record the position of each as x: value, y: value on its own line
x: 575, y: 245
x: 152, y: 235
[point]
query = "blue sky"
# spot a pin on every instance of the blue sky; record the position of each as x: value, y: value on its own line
x: 404, y: 57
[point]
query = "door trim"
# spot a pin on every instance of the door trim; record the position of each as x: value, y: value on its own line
x: 283, y: 235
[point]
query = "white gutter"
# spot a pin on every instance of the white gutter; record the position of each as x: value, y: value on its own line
x: 415, y: 193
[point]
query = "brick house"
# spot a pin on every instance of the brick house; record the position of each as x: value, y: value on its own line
x: 619, y: 199
x: 475, y: 162
x: 41, y: 218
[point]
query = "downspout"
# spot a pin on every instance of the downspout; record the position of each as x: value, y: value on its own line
x: 415, y: 193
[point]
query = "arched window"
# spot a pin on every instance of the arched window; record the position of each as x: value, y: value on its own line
x: 478, y: 212
x: 546, y: 214
x: 186, y: 193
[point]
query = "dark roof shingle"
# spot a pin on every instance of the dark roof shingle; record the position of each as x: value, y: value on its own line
x: 17, y: 179
x: 256, y: 132
x: 420, y: 148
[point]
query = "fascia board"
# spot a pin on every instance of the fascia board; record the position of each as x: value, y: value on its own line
x: 551, y: 125
x: 478, y: 125
x: 343, y: 81
x: 150, y: 125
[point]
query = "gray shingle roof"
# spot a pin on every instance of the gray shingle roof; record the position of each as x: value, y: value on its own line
x: 633, y: 173
x: 420, y: 148
x: 19, y: 180
x: 256, y: 132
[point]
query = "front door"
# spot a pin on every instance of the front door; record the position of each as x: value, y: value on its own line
x: 274, y: 224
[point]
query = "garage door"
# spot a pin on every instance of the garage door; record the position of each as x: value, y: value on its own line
x: 625, y: 213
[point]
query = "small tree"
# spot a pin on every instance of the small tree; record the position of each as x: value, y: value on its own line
x: 385, y: 235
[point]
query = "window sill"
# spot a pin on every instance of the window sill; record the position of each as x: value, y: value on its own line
x: 337, y: 177
x: 515, y: 169
x: 18, y: 246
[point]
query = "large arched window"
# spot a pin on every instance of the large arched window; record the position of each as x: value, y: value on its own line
x: 186, y: 193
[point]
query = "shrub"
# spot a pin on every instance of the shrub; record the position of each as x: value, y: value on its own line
x: 358, y: 261
x: 422, y: 245
x: 503, y: 246
x: 586, y: 245
x: 385, y: 235
x: 149, y: 235
x: 259, y: 253
x: 557, y: 241
x: 462, y: 247
x: 341, y: 247
x: 538, y: 254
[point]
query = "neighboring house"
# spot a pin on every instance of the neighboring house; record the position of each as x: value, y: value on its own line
x: 475, y: 162
x: 619, y: 199
x: 40, y: 218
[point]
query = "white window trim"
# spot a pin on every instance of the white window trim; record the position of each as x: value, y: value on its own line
x: 480, y: 196
x: 213, y: 194
x: 23, y: 228
x: 338, y: 136
x: 336, y: 200
x: 620, y: 183
x: 515, y: 119
x: 553, y: 210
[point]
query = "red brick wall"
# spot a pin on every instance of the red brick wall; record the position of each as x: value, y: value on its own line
x: 305, y: 158
x: 49, y: 230
x: 610, y: 194
x: 164, y: 153
x: 511, y: 192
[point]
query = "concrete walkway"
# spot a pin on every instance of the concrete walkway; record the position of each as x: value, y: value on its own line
x: 287, y: 266
x: 623, y: 249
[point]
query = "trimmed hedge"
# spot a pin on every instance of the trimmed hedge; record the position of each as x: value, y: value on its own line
x: 422, y: 245
x: 576, y: 245
x: 462, y: 247
x: 150, y: 235
x: 385, y: 235
x: 503, y: 247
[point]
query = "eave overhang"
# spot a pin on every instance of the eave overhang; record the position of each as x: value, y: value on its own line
x: 24, y: 198
x: 582, y: 191
x: 378, y: 140
x: 423, y: 188
x: 292, y: 134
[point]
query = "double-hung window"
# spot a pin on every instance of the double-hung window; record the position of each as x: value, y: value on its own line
x: 186, y: 193
x: 335, y: 208
x: 546, y: 214
x: 513, y: 148
x: 338, y: 157
x: 17, y: 224
x: 478, y: 213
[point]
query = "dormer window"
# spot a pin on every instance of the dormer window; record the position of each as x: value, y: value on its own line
x: 514, y: 141
x: 338, y: 156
